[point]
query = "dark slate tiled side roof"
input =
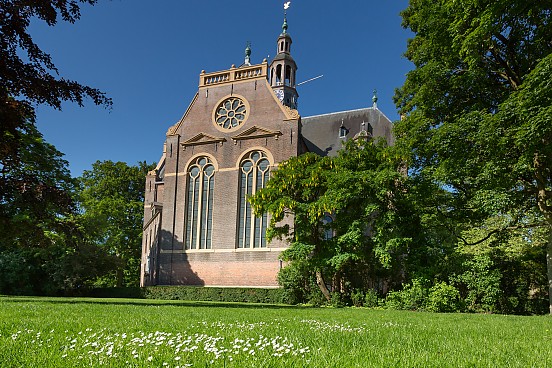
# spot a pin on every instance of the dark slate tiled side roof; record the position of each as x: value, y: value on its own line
x: 321, y: 132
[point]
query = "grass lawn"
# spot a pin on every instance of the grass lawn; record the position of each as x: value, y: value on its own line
x: 80, y: 332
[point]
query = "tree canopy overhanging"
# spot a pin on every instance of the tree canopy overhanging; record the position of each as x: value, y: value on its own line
x: 43, y: 246
x: 26, y: 71
x: 477, y: 111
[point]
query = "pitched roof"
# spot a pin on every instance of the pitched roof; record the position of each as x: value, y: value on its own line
x: 321, y: 133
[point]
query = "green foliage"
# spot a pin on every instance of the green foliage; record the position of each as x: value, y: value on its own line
x: 42, y: 248
x: 418, y: 295
x: 299, y: 285
x: 357, y: 298
x: 368, y: 298
x: 504, y: 274
x: 371, y: 299
x: 477, y: 114
x: 55, y: 270
x: 413, y: 296
x: 353, y: 223
x: 35, y: 183
x: 14, y: 268
x: 112, y: 197
x: 481, y: 282
x: 242, y: 295
x: 337, y: 300
x: 443, y: 298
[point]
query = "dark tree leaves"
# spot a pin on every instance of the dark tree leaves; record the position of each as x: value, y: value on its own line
x: 34, y: 75
x: 35, y: 184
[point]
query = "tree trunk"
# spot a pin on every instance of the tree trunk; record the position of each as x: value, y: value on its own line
x: 322, y: 285
x: 549, y: 266
x: 119, y: 277
x: 119, y: 273
x: 543, y: 196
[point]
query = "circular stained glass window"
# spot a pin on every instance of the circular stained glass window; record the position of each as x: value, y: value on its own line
x: 230, y: 113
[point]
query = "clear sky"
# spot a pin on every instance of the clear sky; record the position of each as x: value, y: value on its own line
x: 147, y: 55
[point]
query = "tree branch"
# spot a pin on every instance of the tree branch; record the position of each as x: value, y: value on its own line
x: 491, y: 233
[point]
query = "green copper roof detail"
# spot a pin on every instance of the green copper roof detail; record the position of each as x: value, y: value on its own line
x: 284, y: 26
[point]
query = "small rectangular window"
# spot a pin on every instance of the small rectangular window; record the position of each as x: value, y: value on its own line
x: 342, y: 132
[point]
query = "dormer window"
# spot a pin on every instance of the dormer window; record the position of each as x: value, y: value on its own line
x: 343, y: 131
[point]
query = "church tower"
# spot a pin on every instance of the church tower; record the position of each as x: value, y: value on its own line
x: 283, y: 69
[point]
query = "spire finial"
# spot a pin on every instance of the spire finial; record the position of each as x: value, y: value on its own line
x: 375, y: 99
x: 247, y: 53
x: 285, y: 25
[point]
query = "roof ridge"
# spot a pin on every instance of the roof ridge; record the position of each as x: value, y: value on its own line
x: 339, y: 112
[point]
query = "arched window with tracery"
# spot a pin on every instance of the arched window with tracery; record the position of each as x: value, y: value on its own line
x: 254, y: 173
x: 199, y: 199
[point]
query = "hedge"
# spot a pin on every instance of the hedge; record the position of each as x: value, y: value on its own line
x: 193, y: 293
x: 215, y: 294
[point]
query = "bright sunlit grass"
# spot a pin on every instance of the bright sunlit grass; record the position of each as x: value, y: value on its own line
x: 64, y: 332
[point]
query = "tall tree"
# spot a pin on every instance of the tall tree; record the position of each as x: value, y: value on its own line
x: 351, y: 219
x: 475, y: 107
x: 112, y: 200
x: 35, y: 185
x: 42, y: 247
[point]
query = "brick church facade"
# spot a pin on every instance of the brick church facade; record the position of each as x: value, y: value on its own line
x: 199, y: 228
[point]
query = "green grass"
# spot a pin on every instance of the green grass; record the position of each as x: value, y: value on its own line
x: 80, y: 332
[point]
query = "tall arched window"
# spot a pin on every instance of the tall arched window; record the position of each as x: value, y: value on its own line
x: 278, y: 75
x: 254, y: 173
x: 287, y: 78
x: 199, y: 211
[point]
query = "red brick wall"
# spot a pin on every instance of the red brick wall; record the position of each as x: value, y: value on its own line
x: 223, y: 265
x: 255, y: 268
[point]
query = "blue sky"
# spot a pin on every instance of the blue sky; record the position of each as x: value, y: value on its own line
x: 147, y: 55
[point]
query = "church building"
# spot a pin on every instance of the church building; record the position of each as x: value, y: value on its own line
x: 199, y: 228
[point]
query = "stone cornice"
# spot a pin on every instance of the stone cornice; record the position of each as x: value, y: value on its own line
x: 201, y: 139
x: 256, y: 132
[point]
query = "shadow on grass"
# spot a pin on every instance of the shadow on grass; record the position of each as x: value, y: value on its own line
x: 146, y: 302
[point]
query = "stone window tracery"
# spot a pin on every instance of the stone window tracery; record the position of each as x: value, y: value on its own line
x: 231, y: 113
x: 254, y: 173
x: 199, y: 199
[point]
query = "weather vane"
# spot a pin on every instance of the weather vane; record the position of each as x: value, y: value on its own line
x: 286, y: 7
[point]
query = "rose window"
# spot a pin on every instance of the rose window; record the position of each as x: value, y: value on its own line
x: 231, y: 113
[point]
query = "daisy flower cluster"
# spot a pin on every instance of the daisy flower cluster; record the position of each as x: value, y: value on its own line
x: 335, y: 327
x: 169, y: 349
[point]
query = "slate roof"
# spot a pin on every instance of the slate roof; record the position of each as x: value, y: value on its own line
x: 283, y: 56
x: 320, y: 133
